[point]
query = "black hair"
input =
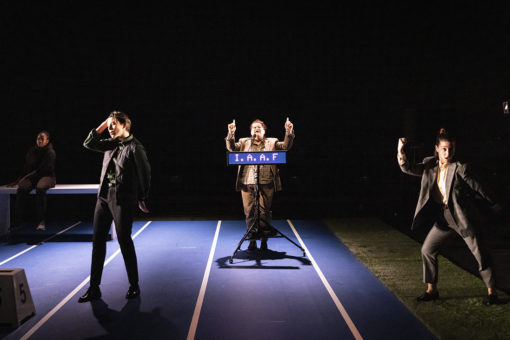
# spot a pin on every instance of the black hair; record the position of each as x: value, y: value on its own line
x: 443, y: 135
x: 122, y: 118
x: 44, y: 132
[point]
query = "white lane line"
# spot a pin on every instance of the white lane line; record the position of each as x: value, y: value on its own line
x: 200, y: 300
x: 55, y: 309
x: 337, y: 302
x: 36, y: 245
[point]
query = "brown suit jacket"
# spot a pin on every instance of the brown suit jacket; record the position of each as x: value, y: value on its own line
x: 270, y: 144
x: 460, y: 187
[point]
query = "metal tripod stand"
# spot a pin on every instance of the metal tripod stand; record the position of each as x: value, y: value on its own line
x: 273, y: 232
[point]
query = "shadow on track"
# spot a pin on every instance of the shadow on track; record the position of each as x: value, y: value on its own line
x: 130, y: 323
x: 261, y: 259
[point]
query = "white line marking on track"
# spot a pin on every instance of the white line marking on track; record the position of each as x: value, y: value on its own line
x: 76, y: 290
x: 36, y: 245
x: 200, y: 300
x: 337, y: 302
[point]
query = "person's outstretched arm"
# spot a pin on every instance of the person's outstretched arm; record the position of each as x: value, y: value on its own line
x: 230, y: 139
x: 289, y: 137
x: 410, y: 168
x: 94, y: 140
x: 472, y: 181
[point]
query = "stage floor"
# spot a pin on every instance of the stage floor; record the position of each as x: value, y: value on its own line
x: 190, y: 290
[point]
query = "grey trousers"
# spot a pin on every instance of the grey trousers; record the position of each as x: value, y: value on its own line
x: 433, y: 244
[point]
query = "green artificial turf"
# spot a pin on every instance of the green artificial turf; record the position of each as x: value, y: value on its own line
x: 395, y: 259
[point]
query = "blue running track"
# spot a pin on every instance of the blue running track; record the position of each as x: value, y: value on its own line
x: 273, y: 295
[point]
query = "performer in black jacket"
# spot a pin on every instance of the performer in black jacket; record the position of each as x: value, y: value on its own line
x: 124, y: 183
x: 38, y: 173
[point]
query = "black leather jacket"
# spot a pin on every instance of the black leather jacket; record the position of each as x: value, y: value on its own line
x: 132, y: 169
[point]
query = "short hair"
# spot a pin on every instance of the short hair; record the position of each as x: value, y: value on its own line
x: 44, y: 132
x: 122, y: 118
x: 260, y: 122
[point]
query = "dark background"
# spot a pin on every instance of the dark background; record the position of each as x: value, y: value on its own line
x: 352, y: 79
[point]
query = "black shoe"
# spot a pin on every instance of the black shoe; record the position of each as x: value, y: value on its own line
x: 92, y: 293
x: 491, y: 299
x: 428, y: 296
x: 252, y: 245
x: 133, y: 292
x: 263, y: 245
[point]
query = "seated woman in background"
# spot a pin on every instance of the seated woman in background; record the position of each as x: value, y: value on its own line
x: 38, y: 173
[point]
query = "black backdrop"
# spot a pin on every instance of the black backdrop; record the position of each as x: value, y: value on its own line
x: 352, y: 79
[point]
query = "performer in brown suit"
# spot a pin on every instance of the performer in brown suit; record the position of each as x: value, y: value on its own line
x: 445, y: 205
x: 268, y: 175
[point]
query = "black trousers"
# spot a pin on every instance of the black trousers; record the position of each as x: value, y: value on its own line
x: 108, y: 210
x: 41, y: 185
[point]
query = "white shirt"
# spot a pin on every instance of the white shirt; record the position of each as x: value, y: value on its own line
x: 441, y: 182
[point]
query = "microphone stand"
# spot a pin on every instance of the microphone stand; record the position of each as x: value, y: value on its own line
x: 255, y: 227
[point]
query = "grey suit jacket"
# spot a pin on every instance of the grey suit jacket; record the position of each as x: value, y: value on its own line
x: 270, y: 144
x: 460, y: 187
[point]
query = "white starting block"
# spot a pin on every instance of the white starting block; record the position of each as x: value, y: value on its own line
x: 16, y: 304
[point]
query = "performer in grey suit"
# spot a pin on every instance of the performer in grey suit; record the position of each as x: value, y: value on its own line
x: 445, y: 205
x: 269, y: 177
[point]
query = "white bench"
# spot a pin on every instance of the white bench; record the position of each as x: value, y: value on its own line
x: 6, y: 192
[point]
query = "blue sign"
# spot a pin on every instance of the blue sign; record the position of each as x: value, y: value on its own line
x: 241, y: 158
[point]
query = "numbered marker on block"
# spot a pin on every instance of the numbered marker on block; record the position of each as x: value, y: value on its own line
x: 16, y: 304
